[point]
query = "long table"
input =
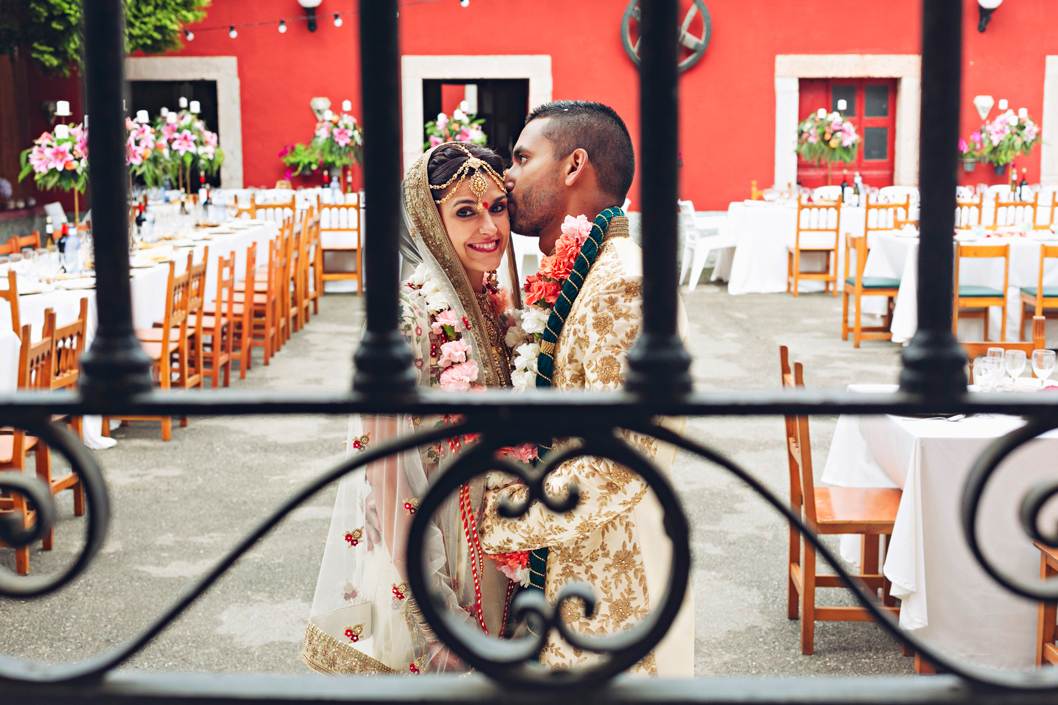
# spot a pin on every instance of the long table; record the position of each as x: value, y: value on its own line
x: 896, y: 257
x: 946, y: 597
x: 149, y: 288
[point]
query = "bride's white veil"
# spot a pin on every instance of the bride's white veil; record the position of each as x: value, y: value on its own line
x: 362, y: 620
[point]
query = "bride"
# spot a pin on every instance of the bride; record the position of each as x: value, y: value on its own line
x: 454, y: 317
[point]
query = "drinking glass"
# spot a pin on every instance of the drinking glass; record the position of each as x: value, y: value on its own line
x: 1015, y: 360
x: 986, y: 373
x: 1043, y: 364
x: 996, y: 352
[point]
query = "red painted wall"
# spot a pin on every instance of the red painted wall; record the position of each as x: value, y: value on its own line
x: 727, y: 100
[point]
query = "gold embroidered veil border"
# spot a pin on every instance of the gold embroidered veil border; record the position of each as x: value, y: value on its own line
x: 426, y: 229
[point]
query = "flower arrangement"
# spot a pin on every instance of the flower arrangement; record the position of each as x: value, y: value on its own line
x: 461, y: 127
x: 972, y: 148
x: 58, y: 159
x: 828, y: 138
x: 300, y: 159
x: 337, y: 142
x: 541, y: 291
x: 181, y: 141
x: 1007, y: 136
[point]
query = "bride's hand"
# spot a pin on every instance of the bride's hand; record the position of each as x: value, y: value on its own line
x: 442, y: 660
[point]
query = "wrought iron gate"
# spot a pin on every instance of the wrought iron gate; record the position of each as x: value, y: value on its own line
x: 116, y: 380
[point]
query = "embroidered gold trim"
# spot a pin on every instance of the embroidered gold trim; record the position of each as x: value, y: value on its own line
x: 547, y: 348
x: 323, y: 653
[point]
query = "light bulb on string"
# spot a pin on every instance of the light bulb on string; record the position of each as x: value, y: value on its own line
x: 337, y: 20
x: 231, y: 32
x: 189, y: 35
x: 282, y: 27
x: 464, y: 3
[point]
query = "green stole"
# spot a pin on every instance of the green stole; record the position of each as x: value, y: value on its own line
x: 545, y: 362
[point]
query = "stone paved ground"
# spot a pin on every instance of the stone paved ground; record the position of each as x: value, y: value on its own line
x: 179, y: 506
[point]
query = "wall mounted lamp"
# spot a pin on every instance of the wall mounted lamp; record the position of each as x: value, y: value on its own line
x: 310, y: 9
x: 986, y: 8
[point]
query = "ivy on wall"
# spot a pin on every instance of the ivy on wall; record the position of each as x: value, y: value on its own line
x: 50, y: 30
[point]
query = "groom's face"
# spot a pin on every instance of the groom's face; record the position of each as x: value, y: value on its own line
x: 534, y: 181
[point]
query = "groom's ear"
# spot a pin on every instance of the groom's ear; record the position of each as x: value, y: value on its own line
x: 576, y: 166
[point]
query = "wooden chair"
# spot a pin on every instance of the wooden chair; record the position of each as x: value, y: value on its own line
x: 857, y: 286
x: 1010, y: 212
x: 341, y: 231
x: 869, y: 512
x: 754, y: 192
x: 265, y: 319
x: 968, y: 213
x: 218, y: 325
x: 169, y: 353
x: 241, y: 317
x: 10, y: 294
x: 34, y: 370
x: 284, y: 184
x: 67, y: 343
x: 821, y: 218
x: 17, y: 244
x: 976, y: 300
x: 1046, y: 630
x: 292, y: 277
x: 1040, y: 297
x: 313, y: 267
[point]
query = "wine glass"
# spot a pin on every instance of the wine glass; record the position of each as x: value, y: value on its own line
x: 996, y: 352
x: 1015, y: 362
x: 1043, y: 364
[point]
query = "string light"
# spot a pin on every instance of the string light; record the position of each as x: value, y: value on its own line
x: 337, y: 20
x: 282, y: 27
x: 233, y: 28
x: 464, y: 3
x: 189, y: 35
x: 231, y: 32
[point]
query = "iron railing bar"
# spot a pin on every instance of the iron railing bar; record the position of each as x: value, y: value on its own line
x: 115, y: 364
x: 383, y: 360
x: 659, y: 364
x: 502, y: 407
x: 126, y: 686
x: 934, y: 363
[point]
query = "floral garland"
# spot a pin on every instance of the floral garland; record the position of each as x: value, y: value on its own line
x: 523, y: 338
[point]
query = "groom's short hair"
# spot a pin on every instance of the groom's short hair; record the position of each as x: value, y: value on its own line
x: 599, y: 131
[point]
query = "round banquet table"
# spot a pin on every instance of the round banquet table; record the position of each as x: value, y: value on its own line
x: 149, y: 288
x: 946, y: 596
x: 896, y: 257
x: 763, y: 230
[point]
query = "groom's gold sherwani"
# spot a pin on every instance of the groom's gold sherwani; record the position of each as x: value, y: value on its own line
x: 614, y: 539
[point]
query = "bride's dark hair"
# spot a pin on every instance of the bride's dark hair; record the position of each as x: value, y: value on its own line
x: 446, y: 160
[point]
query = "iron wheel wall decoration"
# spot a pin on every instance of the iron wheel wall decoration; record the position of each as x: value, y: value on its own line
x: 687, y: 40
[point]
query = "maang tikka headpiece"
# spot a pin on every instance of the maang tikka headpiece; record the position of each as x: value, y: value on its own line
x: 478, y: 184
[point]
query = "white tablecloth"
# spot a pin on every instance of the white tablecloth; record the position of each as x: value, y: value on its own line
x: 897, y: 257
x: 9, y: 347
x: 964, y: 611
x: 763, y: 230
x: 149, y: 288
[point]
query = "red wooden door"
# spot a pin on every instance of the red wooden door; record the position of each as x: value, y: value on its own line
x: 871, y: 106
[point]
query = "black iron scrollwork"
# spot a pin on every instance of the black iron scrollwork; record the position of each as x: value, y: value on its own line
x: 515, y: 661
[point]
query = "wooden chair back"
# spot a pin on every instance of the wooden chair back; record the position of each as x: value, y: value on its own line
x: 313, y: 263
x: 856, y: 245
x: 982, y: 252
x: 1009, y: 211
x: 10, y: 294
x: 975, y: 349
x: 68, y: 344
x: 270, y: 207
x: 798, y: 445
x: 1042, y: 301
x: 34, y: 362
x: 819, y: 217
x: 283, y: 184
x: 793, y: 461
x: 8, y: 247
x: 176, y: 307
x: 886, y: 214
x: 967, y: 213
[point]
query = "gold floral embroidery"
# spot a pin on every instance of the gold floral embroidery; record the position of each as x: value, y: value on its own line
x: 601, y: 324
x: 354, y: 537
x: 609, y: 370
x: 360, y: 442
x: 354, y: 633
x: 411, y: 505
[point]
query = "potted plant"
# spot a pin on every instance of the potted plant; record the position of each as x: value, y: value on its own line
x: 461, y: 127
x: 1007, y: 136
x: 971, y: 150
x: 828, y: 138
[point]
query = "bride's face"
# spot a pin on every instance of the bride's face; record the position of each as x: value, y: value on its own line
x: 479, y: 236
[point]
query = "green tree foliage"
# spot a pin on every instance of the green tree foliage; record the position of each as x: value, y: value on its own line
x: 51, y: 29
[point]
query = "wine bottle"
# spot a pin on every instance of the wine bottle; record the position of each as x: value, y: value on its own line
x: 857, y: 189
x: 844, y: 184
x: 1023, y: 187
x: 49, y: 233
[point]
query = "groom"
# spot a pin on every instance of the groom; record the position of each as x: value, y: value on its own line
x: 574, y: 158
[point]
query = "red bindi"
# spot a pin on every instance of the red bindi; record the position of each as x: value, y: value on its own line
x: 485, y: 203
